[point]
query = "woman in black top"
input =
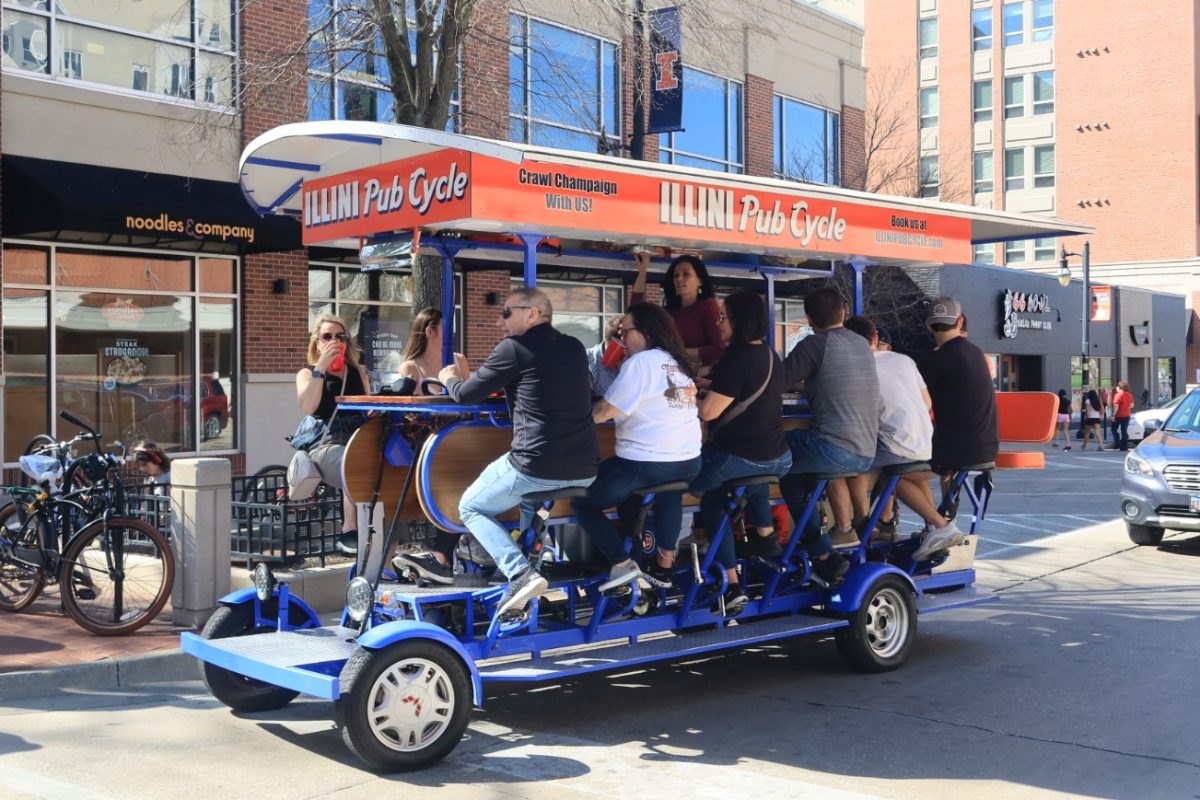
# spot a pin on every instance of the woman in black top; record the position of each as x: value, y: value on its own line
x: 744, y: 408
x: 333, y: 369
x: 1064, y: 419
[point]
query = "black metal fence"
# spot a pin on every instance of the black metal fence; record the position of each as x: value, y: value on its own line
x: 267, y: 527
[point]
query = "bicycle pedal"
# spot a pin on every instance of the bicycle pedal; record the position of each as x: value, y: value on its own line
x: 84, y: 593
x: 772, y: 564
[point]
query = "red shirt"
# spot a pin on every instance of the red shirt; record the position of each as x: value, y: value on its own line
x: 698, y: 326
x: 1123, y: 402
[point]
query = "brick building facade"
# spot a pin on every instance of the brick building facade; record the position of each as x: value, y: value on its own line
x: 196, y: 334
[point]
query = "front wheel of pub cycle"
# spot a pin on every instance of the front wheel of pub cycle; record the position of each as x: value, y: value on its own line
x: 20, y: 583
x: 404, y: 707
x: 882, y: 631
x: 237, y: 691
x: 116, y: 576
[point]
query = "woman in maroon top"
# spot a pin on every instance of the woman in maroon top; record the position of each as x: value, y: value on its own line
x: 690, y: 300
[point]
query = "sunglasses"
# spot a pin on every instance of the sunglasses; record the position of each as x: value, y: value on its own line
x: 143, y: 456
x: 507, y: 311
x: 329, y: 337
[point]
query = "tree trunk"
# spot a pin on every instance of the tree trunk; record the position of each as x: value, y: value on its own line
x: 427, y: 283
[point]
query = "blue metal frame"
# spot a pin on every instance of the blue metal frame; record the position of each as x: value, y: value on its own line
x: 248, y: 594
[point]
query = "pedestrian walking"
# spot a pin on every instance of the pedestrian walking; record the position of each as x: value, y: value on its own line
x: 1122, y: 408
x: 1064, y: 420
x: 1092, y: 417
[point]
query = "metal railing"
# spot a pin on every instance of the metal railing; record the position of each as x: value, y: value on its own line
x: 267, y: 527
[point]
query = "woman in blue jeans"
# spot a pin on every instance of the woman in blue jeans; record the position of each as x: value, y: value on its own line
x: 744, y: 408
x: 653, y: 402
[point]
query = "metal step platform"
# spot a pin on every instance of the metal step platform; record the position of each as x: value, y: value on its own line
x: 672, y: 646
x: 959, y: 598
x: 307, y: 660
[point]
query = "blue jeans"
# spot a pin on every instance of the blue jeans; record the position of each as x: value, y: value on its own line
x: 614, y: 484
x: 813, y: 455
x: 718, y: 466
x: 497, y: 489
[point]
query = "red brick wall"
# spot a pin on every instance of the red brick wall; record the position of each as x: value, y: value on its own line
x: 759, y: 126
x: 481, y: 332
x: 854, y: 152
x: 485, y: 72
x: 274, y: 326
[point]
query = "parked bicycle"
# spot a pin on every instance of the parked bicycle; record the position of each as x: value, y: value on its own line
x: 115, y: 573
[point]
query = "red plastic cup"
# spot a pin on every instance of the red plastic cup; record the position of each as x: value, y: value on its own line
x: 339, y: 361
x: 614, y: 353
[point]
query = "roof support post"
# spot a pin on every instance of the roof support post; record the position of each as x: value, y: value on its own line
x: 770, y: 279
x: 859, y: 265
x: 530, y: 241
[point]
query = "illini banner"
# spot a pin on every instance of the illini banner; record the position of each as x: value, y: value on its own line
x: 666, y: 71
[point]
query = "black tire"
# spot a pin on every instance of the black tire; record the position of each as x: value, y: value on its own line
x: 20, y: 585
x: 1145, y: 535
x: 394, y: 684
x: 882, y: 631
x: 212, y: 427
x: 237, y: 691
x: 269, y: 485
x: 43, y: 443
x: 116, y: 577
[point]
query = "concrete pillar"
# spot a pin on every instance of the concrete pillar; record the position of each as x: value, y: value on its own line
x: 200, y: 514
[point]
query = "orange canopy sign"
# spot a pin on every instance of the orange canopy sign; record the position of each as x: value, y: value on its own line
x: 453, y: 188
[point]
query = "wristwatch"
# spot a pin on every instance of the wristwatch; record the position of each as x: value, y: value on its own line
x: 316, y: 373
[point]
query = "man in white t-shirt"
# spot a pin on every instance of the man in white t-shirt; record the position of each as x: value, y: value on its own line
x: 905, y: 432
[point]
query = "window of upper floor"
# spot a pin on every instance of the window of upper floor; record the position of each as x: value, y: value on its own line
x: 928, y: 103
x: 177, y: 49
x: 807, y: 142
x: 564, y: 87
x: 1027, y: 21
x: 981, y: 29
x: 348, y: 72
x: 1029, y: 95
x: 928, y: 34
x: 712, y: 122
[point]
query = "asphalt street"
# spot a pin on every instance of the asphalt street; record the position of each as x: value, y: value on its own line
x: 1078, y: 682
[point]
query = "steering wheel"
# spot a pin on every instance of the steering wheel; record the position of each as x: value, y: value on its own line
x: 427, y: 385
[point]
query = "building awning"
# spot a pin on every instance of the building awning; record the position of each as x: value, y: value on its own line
x: 83, y: 203
x: 330, y: 172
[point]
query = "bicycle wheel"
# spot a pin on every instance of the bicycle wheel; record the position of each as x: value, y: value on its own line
x: 42, y: 443
x: 20, y: 584
x: 116, y: 576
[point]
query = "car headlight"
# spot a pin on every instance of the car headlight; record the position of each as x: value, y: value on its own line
x: 1137, y: 466
x: 359, y: 599
x: 264, y: 582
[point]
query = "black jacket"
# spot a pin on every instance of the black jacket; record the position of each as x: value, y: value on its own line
x: 548, y: 387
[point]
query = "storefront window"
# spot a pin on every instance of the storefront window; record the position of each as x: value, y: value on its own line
x: 156, y: 48
x: 791, y: 325
x: 1166, y: 380
x: 377, y: 309
x: 1100, y: 377
x: 581, y: 310
x: 136, y: 353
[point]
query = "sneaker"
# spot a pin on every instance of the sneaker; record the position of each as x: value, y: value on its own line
x: 735, y: 600
x: 1068, y: 447
x: 347, y: 543
x: 621, y: 575
x: 767, y: 547
x: 831, y: 568
x: 659, y: 574
x: 844, y: 538
x: 426, y: 566
x: 887, y: 533
x: 522, y: 589
x: 938, y: 539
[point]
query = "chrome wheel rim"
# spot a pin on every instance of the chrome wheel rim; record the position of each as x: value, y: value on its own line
x: 886, y: 623
x: 411, y: 704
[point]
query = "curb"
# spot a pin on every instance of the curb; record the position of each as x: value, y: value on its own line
x: 107, y: 674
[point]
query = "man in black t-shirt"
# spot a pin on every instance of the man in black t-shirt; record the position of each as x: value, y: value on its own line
x: 965, y: 429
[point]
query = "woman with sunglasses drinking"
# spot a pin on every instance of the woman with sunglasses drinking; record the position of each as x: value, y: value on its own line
x: 333, y: 369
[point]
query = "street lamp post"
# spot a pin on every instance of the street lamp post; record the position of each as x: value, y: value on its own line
x: 1064, y: 279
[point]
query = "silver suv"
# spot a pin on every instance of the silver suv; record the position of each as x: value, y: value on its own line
x: 1160, y: 487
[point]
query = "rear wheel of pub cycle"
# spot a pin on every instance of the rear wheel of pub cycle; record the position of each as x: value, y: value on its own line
x: 237, y: 691
x: 116, y: 576
x: 20, y: 584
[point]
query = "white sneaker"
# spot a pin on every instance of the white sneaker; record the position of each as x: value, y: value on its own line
x: 620, y: 575
x: 939, y: 539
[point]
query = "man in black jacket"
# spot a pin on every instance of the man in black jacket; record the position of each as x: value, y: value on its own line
x: 547, y: 385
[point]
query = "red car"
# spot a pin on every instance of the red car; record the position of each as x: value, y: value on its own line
x: 214, y: 408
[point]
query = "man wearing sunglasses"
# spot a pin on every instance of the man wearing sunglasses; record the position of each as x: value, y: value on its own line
x: 547, y: 385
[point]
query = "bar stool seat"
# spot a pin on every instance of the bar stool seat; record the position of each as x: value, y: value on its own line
x: 661, y: 488
x: 833, y: 476
x: 983, y: 467
x: 906, y: 469
x: 752, y: 480
x: 565, y: 493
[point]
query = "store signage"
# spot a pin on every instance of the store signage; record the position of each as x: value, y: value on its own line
x: 454, y: 189
x: 165, y: 223
x: 1101, y: 303
x: 122, y: 312
x: 666, y: 70
x: 1016, y: 308
x: 125, y: 363
x: 1140, y: 334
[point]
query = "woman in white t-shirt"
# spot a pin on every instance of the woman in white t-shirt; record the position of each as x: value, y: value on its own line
x: 653, y: 402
